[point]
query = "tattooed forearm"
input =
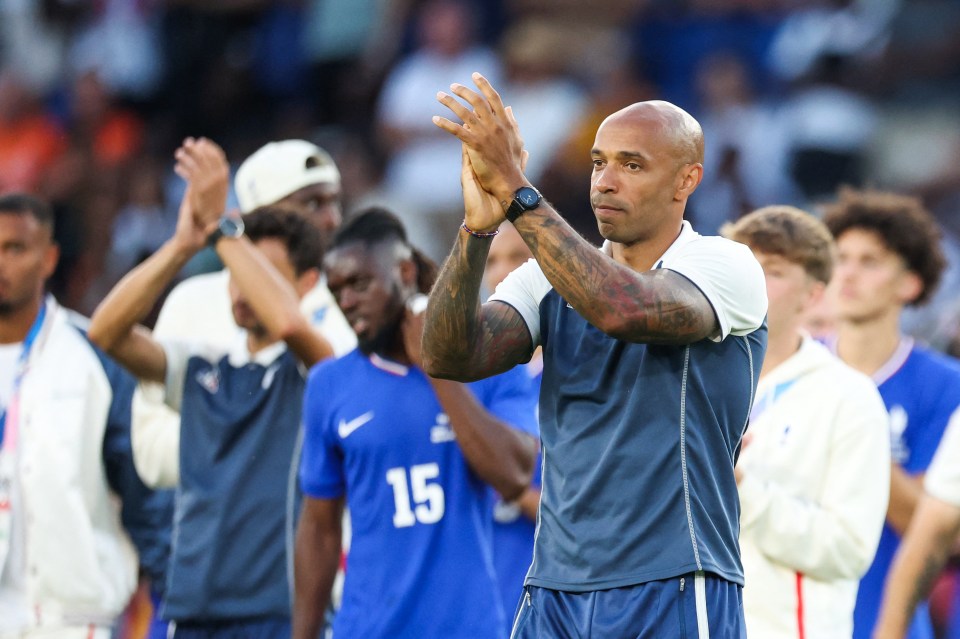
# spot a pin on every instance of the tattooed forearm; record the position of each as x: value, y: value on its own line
x: 655, y: 306
x: 463, y: 340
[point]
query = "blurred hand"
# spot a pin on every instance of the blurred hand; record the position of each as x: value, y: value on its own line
x: 203, y: 164
x: 191, y: 236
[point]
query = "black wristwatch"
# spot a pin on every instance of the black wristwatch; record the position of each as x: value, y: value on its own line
x: 526, y: 198
x: 229, y: 226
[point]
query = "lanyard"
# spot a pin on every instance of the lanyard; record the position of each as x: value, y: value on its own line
x: 22, y: 364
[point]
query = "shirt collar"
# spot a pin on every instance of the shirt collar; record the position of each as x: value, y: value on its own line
x: 389, y: 366
x: 239, y: 355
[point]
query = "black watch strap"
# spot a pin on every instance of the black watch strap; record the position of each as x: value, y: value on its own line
x: 229, y: 226
x: 526, y: 198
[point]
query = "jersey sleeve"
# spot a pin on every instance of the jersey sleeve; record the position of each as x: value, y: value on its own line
x: 321, y: 464
x: 943, y: 476
x: 512, y: 398
x: 730, y: 278
x: 524, y: 289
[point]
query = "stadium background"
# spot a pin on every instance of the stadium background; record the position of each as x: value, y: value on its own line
x: 796, y: 97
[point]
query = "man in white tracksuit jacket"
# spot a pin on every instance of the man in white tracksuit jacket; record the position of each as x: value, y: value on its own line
x: 73, y: 513
x: 814, y: 474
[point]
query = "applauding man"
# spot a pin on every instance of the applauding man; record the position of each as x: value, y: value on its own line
x: 239, y: 406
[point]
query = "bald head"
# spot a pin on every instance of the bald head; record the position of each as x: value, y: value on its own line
x: 677, y: 128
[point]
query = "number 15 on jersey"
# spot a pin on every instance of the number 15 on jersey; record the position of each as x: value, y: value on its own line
x: 427, y: 496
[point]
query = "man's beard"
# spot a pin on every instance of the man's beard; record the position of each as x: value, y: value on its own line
x: 387, y: 334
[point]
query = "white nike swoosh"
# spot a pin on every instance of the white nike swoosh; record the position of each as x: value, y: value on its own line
x: 346, y: 428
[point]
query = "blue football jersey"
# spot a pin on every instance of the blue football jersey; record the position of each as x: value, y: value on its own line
x: 421, y: 559
x: 921, y: 389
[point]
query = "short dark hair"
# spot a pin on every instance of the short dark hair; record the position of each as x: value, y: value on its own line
x: 377, y: 225
x: 903, y: 225
x: 23, y: 204
x: 789, y: 232
x: 302, y: 239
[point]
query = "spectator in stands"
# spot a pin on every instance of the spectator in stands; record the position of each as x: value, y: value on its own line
x: 447, y: 50
x: 30, y: 139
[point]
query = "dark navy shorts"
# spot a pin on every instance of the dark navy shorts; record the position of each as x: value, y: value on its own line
x: 695, y: 606
x: 262, y: 628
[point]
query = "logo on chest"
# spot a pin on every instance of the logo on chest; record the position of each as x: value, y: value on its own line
x: 441, y: 432
x: 347, y: 428
x: 209, y: 379
x: 899, y: 419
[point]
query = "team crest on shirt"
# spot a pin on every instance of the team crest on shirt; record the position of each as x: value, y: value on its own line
x: 441, y: 432
x: 209, y: 379
x: 899, y: 450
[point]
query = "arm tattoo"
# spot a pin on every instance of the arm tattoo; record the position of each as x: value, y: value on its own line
x: 656, y: 306
x: 463, y: 340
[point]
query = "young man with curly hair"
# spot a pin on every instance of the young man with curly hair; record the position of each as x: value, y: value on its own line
x: 889, y: 257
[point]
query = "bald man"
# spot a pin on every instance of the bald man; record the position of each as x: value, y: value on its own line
x: 652, y: 346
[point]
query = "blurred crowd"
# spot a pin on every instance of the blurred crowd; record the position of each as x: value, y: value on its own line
x: 795, y: 99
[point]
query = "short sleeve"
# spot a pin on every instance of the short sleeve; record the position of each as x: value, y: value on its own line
x: 512, y: 398
x: 731, y: 279
x: 524, y: 289
x: 321, y: 464
x: 943, y: 476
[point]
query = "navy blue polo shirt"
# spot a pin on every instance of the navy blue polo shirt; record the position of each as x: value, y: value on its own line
x: 240, y: 421
x: 640, y: 440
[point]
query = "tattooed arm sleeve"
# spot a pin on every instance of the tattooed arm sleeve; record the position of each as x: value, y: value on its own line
x: 687, y: 300
x: 462, y: 339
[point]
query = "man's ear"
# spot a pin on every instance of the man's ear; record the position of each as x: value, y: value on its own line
x: 408, y: 273
x: 50, y: 259
x: 909, y: 288
x: 815, y: 292
x: 307, y: 280
x: 689, y: 179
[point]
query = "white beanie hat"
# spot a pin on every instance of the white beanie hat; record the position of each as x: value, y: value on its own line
x: 278, y: 169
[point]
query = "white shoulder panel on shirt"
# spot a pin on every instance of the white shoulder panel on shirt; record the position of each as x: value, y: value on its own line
x: 729, y: 276
x: 524, y: 289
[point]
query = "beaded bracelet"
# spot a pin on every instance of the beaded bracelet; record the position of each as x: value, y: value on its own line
x: 480, y: 234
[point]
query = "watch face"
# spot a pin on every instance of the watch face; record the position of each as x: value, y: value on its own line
x: 528, y: 197
x: 231, y: 226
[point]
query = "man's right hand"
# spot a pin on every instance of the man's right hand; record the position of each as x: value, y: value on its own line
x: 483, y: 212
x: 203, y: 164
x: 491, y: 136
